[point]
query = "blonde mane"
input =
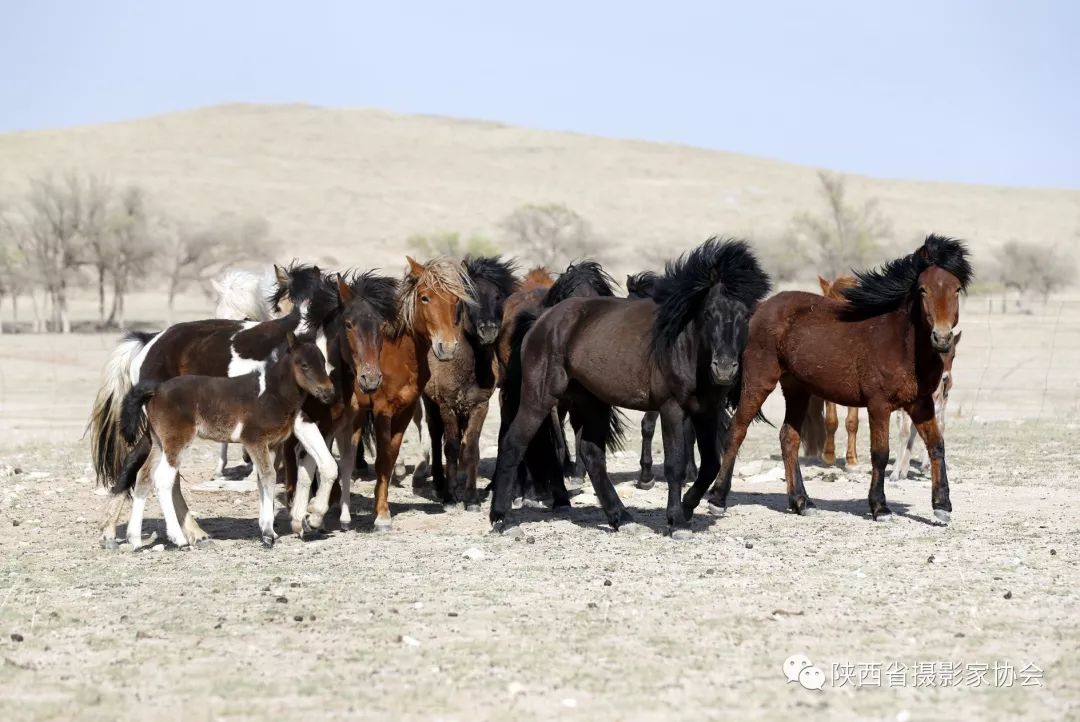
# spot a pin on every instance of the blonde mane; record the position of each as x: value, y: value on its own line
x: 444, y: 276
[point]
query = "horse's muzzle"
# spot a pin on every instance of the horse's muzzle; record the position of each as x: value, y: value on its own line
x: 724, y: 373
x: 327, y: 396
x: 941, y: 341
x: 488, y: 333
x: 444, y: 351
x: 369, y: 381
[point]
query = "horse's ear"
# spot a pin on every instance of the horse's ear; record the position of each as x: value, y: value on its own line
x: 290, y: 338
x: 415, y: 269
x: 629, y: 282
x: 281, y: 276
x: 344, y: 292
x: 824, y: 284
x: 956, y: 339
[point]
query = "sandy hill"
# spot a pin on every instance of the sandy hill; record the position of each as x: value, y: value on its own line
x: 351, y: 184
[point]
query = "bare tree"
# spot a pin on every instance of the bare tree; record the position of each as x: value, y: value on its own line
x: 1035, y: 268
x: 549, y: 234
x: 451, y: 244
x: 846, y: 236
x: 55, y: 219
x: 99, y: 242
x: 192, y: 254
x: 133, y: 248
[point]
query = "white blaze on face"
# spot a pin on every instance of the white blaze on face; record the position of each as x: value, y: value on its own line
x: 320, y: 342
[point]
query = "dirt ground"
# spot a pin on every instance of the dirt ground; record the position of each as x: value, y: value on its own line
x: 440, y: 620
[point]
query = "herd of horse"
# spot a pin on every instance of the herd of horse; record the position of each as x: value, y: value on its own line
x: 307, y: 360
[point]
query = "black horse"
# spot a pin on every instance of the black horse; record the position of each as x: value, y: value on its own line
x: 638, y: 286
x: 678, y: 355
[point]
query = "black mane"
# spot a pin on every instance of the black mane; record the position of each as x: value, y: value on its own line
x: 687, y: 281
x: 642, y: 285
x: 881, y: 290
x: 378, y: 291
x: 587, y: 274
x: 493, y: 269
x: 307, y: 283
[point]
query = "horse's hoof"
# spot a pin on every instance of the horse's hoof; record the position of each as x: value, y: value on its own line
x: 532, y: 504
x: 942, y: 516
x: 498, y: 527
x: 809, y: 511
x: 345, y: 523
x: 716, y: 509
x: 885, y: 516
x: 204, y: 543
x: 306, y: 527
x: 267, y: 541
x: 561, y: 510
x: 645, y: 484
x: 383, y: 525
x: 474, y: 507
x: 109, y: 544
x: 518, y: 502
x: 681, y: 534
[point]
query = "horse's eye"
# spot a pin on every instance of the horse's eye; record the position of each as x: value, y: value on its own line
x: 303, y: 366
x: 425, y: 299
x: 348, y: 323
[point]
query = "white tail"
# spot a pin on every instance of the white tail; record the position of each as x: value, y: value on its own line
x: 244, y: 296
x: 107, y: 446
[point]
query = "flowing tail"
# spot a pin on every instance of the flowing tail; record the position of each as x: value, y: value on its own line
x: 107, y: 448
x: 133, y: 427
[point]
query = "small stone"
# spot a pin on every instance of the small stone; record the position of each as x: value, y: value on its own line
x: 294, y: 585
x: 930, y: 559
x: 1008, y: 595
x: 607, y: 582
x: 451, y: 614
x: 959, y: 634
x: 266, y: 588
x: 569, y: 703
x: 14, y: 522
x: 282, y: 600
x: 16, y: 637
x: 592, y: 605
x: 220, y: 621
x: 311, y: 617
x: 473, y: 553
x: 298, y: 618
x: 1053, y: 552
x: 710, y: 571
x: 530, y: 540
x: 749, y: 545
x: 123, y: 618
x: 158, y: 548
x: 276, y: 580
x: 409, y: 641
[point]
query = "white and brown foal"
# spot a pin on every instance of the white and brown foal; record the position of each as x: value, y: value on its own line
x: 256, y: 410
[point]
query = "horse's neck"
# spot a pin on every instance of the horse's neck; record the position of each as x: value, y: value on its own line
x: 281, y: 386
x: 925, y: 361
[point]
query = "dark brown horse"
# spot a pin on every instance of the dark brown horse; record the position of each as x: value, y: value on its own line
x: 457, y: 393
x: 430, y: 310
x: 256, y: 411
x: 638, y: 286
x: 678, y: 354
x: 880, y: 348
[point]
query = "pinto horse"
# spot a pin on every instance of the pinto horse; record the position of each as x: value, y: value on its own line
x: 678, y: 354
x: 643, y: 285
x: 255, y: 411
x: 457, y: 393
x: 429, y: 318
x: 213, y: 347
x: 880, y: 348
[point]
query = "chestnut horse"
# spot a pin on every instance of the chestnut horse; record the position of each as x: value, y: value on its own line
x: 430, y: 310
x: 880, y: 348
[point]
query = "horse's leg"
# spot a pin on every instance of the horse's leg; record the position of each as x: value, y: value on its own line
x: 592, y: 415
x: 673, y: 430
x: 648, y: 428
x: 577, y: 478
x: 344, y: 437
x: 512, y: 448
x: 688, y: 438
x: 113, y: 510
x: 223, y: 460
x: 305, y: 475
x: 759, y: 379
x: 710, y: 445
x: 831, y: 424
x: 908, y: 433
x: 423, y: 467
x: 922, y: 415
x: 260, y: 457
x: 852, y: 426
x: 797, y: 402
x: 879, y: 459
x: 142, y: 489
x: 389, y: 431
x: 311, y: 437
x: 165, y: 472
x: 436, y: 432
x: 470, y: 454
x: 194, y: 533
x: 451, y: 444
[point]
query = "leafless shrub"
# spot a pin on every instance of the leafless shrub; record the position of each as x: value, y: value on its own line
x: 452, y: 245
x: 1035, y: 268
x: 551, y: 235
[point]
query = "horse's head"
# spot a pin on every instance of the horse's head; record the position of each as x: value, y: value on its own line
x: 304, y: 290
x: 493, y: 282
x: 369, y: 307
x: 434, y: 297
x: 641, y: 285
x: 939, y: 299
x: 308, y: 367
x: 724, y: 327
x: 834, y: 288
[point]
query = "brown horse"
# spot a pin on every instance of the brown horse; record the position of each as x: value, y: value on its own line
x: 908, y: 431
x: 881, y: 349
x: 818, y: 442
x: 429, y: 319
x: 528, y: 296
x: 258, y: 412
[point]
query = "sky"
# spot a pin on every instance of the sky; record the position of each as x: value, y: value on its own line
x: 956, y: 90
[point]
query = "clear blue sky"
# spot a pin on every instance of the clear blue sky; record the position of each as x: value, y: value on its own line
x: 981, y: 91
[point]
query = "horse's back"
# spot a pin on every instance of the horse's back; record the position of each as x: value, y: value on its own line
x: 190, y: 347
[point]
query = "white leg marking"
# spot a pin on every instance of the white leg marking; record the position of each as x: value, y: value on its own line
x: 164, y: 478
x: 134, y: 527
x: 223, y: 460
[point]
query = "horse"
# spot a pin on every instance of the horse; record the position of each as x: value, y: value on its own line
x: 529, y: 295
x: 212, y: 347
x: 678, y: 354
x: 256, y: 410
x: 643, y: 285
x: 429, y: 316
x: 457, y: 393
x: 243, y: 296
x: 907, y: 431
x: 880, y: 348
x: 819, y: 439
